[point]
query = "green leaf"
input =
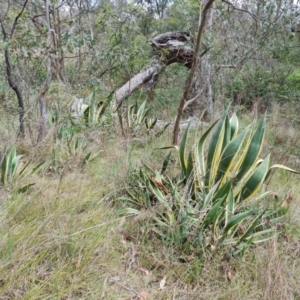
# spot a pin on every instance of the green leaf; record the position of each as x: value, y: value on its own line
x: 263, y: 236
x: 166, y: 163
x: 143, y: 176
x: 251, y: 227
x: 24, y: 168
x: 130, y: 115
x: 282, y: 167
x: 189, y: 166
x: 37, y: 168
x: 210, y: 196
x: 130, y: 211
x: 234, y: 125
x: 216, y: 224
x: 158, y: 193
x: 87, y: 157
x: 167, y: 147
x: 182, y: 152
x: 254, y: 183
x: 141, y: 113
x: 253, y: 150
x: 227, y: 133
x: 229, y: 210
x: 214, y: 151
x: 200, y: 157
x: 13, y: 167
x: 25, y: 188
x: 236, y: 220
x: 99, y: 111
x: 213, y: 213
x: 4, y: 170
x: 229, y: 154
x: 222, y: 190
x: 150, y: 123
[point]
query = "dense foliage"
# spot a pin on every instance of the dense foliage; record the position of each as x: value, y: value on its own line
x: 216, y: 198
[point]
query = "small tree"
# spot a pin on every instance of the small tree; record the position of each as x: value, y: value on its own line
x: 7, y: 37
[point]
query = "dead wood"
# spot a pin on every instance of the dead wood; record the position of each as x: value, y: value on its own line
x: 169, y: 47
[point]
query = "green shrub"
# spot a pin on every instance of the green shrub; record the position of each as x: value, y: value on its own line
x: 137, y: 116
x: 293, y: 81
x: 215, y: 201
x: 11, y: 167
x: 13, y: 170
x: 70, y: 150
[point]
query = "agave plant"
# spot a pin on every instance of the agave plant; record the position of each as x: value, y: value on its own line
x: 216, y: 200
x: 71, y: 146
x: 89, y: 110
x: 10, y: 166
x: 94, y: 110
x: 12, y: 169
x: 137, y: 115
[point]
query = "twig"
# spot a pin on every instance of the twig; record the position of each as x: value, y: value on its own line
x: 242, y: 10
x: 189, y: 102
x: 123, y: 286
x: 226, y: 67
x: 17, y: 18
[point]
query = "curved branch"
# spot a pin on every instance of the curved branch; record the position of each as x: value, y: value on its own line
x: 17, y: 18
x: 169, y: 47
x: 254, y: 17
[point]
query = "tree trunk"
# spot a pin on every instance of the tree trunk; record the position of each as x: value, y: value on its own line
x: 58, y: 60
x: 206, y: 104
x: 12, y: 83
x: 201, y: 90
x: 15, y: 87
x: 45, y: 86
x: 185, y: 100
x: 148, y: 75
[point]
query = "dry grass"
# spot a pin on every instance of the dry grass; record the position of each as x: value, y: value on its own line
x: 64, y: 239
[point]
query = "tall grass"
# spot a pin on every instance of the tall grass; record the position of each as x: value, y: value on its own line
x: 64, y: 238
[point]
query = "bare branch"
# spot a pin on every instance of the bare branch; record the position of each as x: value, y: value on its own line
x: 226, y: 67
x: 17, y: 18
x: 5, y: 13
x: 3, y: 30
x: 189, y: 102
x: 123, y: 286
x: 242, y: 10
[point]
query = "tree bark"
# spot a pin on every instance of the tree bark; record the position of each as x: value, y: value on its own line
x: 45, y: 86
x: 206, y: 104
x: 192, y: 72
x: 12, y: 83
x: 58, y: 60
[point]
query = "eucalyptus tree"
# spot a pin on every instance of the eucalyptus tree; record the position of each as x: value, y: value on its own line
x: 157, y: 7
x: 8, y: 29
x: 255, y: 39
